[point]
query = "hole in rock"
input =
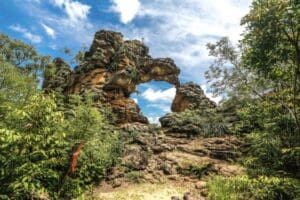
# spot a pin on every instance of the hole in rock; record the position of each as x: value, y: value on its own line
x: 154, y: 99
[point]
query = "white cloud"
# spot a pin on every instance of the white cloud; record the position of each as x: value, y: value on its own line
x: 72, y: 26
x: 135, y: 100
x: 159, y: 95
x: 210, y: 95
x: 26, y: 33
x: 50, y: 31
x: 181, y: 30
x: 75, y: 10
x: 153, y: 120
x: 127, y: 9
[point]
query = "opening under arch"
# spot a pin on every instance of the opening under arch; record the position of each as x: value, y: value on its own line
x: 154, y: 99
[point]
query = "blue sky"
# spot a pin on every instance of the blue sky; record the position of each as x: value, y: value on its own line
x: 179, y: 29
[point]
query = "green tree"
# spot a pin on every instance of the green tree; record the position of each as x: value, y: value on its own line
x: 229, y: 77
x: 39, y: 133
x: 271, y: 45
x: 22, y: 55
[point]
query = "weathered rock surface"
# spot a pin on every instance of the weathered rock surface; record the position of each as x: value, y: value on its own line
x: 190, y: 96
x: 112, y: 69
x: 158, y: 158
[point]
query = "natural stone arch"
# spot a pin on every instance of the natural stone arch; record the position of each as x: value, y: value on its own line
x: 112, y: 69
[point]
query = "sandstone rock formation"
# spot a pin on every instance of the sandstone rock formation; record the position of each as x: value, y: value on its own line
x: 112, y: 69
x: 190, y: 96
x: 153, y: 157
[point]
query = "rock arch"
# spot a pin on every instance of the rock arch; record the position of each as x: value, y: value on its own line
x: 112, y: 68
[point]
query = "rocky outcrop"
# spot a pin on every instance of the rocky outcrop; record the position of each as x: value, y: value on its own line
x: 190, y: 96
x: 151, y: 156
x: 112, y: 69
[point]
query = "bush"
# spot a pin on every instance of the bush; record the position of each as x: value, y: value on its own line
x: 37, y: 142
x: 261, y: 188
x: 264, y: 154
x: 135, y: 176
x: 291, y: 161
x: 206, y: 123
x: 197, y: 170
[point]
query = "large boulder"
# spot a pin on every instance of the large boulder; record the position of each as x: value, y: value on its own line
x: 190, y: 96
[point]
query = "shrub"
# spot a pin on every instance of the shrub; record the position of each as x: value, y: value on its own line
x: 36, y: 146
x: 291, y: 160
x: 264, y: 154
x: 261, y: 188
x: 195, y: 169
x: 135, y: 176
x: 206, y: 123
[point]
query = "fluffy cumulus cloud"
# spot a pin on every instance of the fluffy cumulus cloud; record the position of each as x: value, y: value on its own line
x: 67, y: 21
x: 75, y: 10
x: 159, y: 95
x: 158, y: 102
x: 127, y: 9
x: 34, y: 38
x: 50, y: 31
x: 181, y: 29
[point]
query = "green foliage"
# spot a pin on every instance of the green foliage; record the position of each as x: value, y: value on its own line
x: 36, y: 146
x: 291, y: 160
x: 228, y: 77
x: 261, y: 82
x: 271, y: 45
x: 135, y: 176
x: 198, y: 170
x: 57, y: 76
x: 15, y: 88
x: 206, y: 123
x: 270, y: 115
x: 272, y: 36
x: 21, y: 55
x: 261, y: 188
x: 39, y: 134
x: 265, y: 154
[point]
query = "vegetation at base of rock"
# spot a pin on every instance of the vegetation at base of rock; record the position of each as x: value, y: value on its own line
x: 38, y: 136
x: 194, y: 169
x: 260, y: 188
x: 135, y: 176
x: 262, y: 93
x: 200, y: 122
x: 58, y: 141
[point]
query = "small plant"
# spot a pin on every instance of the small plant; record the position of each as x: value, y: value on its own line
x: 261, y: 188
x: 197, y: 170
x: 135, y: 177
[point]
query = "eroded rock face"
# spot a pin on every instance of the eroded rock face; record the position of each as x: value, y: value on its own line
x: 190, y: 96
x: 112, y: 69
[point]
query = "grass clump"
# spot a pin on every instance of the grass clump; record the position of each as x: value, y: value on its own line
x: 135, y: 177
x: 198, y: 170
x: 260, y: 188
